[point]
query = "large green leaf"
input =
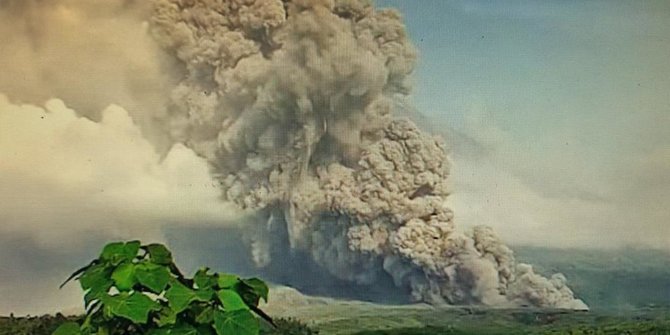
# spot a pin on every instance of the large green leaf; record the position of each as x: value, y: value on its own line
x: 154, y: 277
x: 133, y: 306
x: 167, y: 316
x: 239, y: 322
x: 231, y: 300
x: 180, y: 329
x: 118, y: 252
x: 252, y: 290
x: 92, y: 321
x: 96, y: 282
x: 204, y: 295
x: 203, y: 279
x: 124, y: 276
x: 159, y: 254
x: 179, y: 296
x: 206, y: 316
x: 96, y: 276
x: 96, y: 293
x: 68, y: 328
x: 258, y: 286
x: 227, y: 280
x: 183, y: 329
x: 205, y: 330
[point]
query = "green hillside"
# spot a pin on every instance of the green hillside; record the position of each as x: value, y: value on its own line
x: 608, y: 279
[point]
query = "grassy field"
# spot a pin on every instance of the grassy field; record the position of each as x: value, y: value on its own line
x: 378, y: 320
x: 387, y: 320
x: 503, y: 322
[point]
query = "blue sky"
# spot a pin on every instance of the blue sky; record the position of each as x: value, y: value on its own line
x: 534, y: 56
x: 568, y: 105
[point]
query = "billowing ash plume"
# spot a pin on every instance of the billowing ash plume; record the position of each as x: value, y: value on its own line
x: 292, y: 102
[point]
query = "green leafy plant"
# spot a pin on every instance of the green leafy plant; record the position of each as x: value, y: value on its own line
x: 137, y: 289
x: 290, y: 326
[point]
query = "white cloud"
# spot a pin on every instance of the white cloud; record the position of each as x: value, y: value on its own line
x: 67, y: 183
x: 55, y: 164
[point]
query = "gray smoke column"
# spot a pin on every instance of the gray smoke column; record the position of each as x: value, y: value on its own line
x: 298, y: 107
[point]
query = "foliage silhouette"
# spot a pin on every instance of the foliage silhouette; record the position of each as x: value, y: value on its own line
x: 137, y: 289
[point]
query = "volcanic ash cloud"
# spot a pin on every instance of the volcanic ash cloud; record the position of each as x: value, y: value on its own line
x: 293, y: 103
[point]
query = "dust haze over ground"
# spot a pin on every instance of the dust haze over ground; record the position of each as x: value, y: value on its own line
x: 297, y: 108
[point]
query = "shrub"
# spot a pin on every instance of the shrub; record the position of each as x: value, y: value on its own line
x: 288, y: 326
x: 32, y: 325
x: 137, y: 289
